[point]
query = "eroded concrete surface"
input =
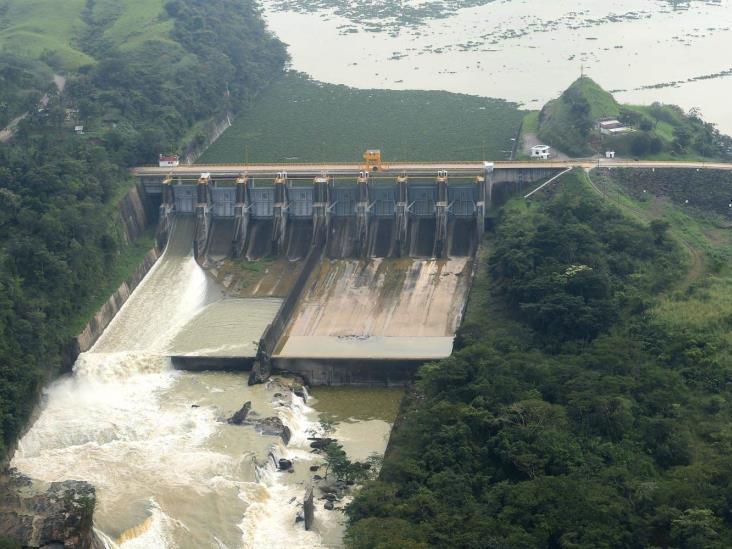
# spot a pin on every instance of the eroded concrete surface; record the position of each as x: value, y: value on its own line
x: 379, y: 308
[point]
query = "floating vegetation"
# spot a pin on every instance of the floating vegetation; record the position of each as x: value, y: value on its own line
x: 315, y: 122
x: 677, y: 83
x: 381, y: 15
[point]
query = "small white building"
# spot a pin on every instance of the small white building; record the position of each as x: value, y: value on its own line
x: 79, y: 130
x: 540, y: 151
x: 609, y: 154
x: 612, y: 127
x: 169, y: 161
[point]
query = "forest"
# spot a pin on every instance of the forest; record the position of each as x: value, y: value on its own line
x: 573, y: 413
x: 62, y: 239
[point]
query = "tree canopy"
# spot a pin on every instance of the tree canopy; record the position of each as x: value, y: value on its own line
x: 62, y: 233
x: 570, y: 415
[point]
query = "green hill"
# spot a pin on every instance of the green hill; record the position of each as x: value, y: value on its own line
x: 659, y: 131
x: 34, y: 29
x: 566, y: 123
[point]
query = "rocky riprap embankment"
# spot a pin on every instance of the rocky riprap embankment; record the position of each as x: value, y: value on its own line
x: 59, y: 514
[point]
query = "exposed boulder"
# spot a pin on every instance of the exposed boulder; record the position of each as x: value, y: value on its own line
x: 318, y: 443
x: 329, y: 505
x: 260, y: 373
x: 299, y: 390
x: 45, y: 515
x: 284, y: 464
x: 240, y: 417
x: 309, y: 508
x: 273, y: 426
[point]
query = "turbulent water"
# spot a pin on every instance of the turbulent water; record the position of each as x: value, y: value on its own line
x: 521, y: 50
x: 169, y: 471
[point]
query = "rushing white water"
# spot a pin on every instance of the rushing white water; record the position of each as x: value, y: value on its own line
x: 521, y: 50
x: 169, y: 471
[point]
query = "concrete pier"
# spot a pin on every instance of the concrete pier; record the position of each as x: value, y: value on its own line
x: 241, y: 217
x: 203, y: 217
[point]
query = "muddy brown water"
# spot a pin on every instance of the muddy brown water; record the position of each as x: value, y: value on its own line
x: 168, y: 470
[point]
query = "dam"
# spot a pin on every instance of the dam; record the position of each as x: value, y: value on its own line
x: 381, y: 262
x: 351, y: 279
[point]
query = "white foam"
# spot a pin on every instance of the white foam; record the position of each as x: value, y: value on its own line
x: 268, y: 521
x: 157, y: 531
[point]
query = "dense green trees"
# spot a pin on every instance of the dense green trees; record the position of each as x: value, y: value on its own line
x: 61, y: 235
x: 21, y: 85
x: 58, y: 244
x: 569, y: 415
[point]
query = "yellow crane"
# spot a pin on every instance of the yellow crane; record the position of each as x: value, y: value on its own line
x: 372, y: 160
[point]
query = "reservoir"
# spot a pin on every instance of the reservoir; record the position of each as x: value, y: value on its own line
x: 527, y: 51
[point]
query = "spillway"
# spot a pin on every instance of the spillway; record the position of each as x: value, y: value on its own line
x: 379, y: 309
x: 168, y: 470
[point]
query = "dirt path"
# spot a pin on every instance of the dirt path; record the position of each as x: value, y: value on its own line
x: 6, y: 134
x: 696, y: 269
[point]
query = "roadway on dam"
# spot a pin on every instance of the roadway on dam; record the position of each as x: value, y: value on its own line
x: 334, y: 168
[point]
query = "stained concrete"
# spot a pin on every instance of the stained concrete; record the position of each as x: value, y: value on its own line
x: 379, y: 308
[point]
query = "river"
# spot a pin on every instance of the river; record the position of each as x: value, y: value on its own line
x: 168, y: 470
x: 526, y: 51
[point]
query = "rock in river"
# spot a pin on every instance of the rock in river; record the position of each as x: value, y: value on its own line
x: 241, y: 416
x: 309, y: 508
x: 273, y: 426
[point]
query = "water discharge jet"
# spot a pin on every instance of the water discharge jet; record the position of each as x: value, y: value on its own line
x: 168, y: 470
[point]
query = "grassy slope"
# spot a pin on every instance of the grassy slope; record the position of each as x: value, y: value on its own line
x: 28, y: 30
x: 554, y: 125
x: 140, y: 21
x: 310, y: 121
x: 557, y: 125
x: 703, y: 303
x: 602, y: 103
x: 50, y: 30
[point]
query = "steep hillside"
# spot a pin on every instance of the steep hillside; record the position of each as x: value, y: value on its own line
x: 38, y: 29
x: 139, y: 75
x: 566, y: 123
x: 587, y: 403
x: 21, y: 86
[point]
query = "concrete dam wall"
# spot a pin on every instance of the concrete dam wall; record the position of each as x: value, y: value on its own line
x: 378, y: 267
x: 137, y: 213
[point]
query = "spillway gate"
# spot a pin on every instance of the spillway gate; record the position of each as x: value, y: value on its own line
x: 410, y: 204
